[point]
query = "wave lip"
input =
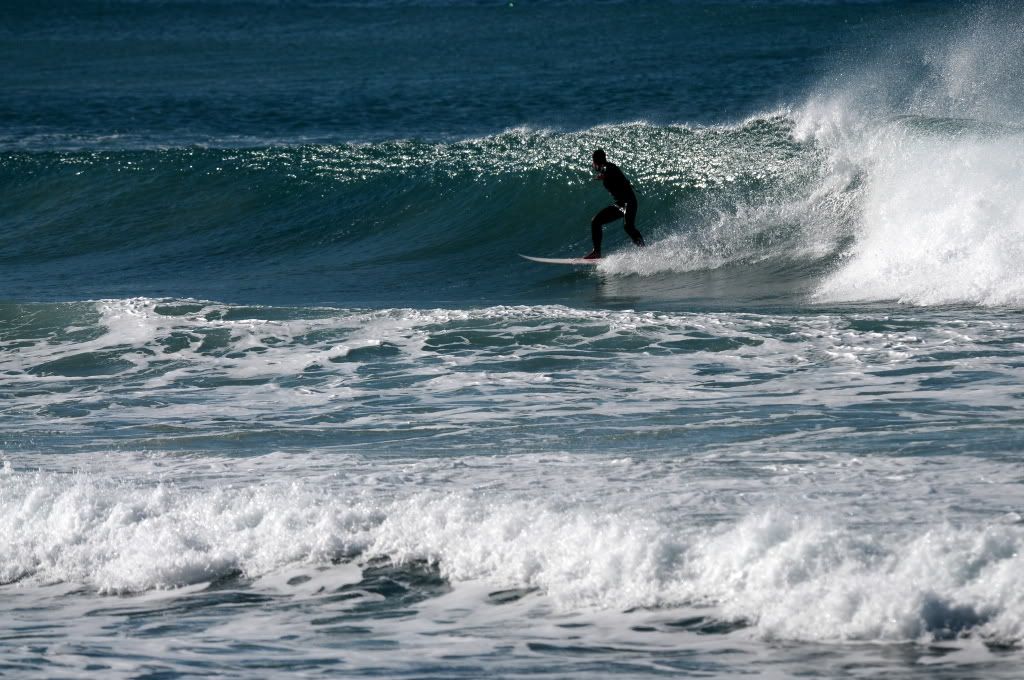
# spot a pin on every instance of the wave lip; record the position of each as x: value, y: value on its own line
x: 930, y: 131
x: 942, y: 223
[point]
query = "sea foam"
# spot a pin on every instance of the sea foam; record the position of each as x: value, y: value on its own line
x: 930, y: 133
x: 781, y: 573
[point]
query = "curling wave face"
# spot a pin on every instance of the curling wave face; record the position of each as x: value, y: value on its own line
x: 381, y: 216
x: 822, y: 204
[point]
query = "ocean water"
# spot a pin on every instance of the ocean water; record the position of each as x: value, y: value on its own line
x: 279, y: 398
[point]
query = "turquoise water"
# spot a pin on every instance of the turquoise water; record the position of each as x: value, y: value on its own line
x: 278, y: 395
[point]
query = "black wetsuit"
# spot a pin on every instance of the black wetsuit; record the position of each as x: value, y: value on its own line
x: 625, y: 206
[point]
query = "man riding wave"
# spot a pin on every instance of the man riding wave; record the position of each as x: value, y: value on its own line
x: 625, y: 203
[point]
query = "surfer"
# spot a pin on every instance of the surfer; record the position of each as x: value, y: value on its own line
x: 625, y: 203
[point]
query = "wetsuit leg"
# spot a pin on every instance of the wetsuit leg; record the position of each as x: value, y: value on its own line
x: 606, y: 215
x: 630, y: 224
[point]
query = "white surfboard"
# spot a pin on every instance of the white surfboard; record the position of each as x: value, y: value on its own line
x: 562, y: 260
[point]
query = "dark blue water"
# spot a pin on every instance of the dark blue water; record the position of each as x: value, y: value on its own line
x: 259, y: 72
x: 278, y: 396
x: 249, y: 152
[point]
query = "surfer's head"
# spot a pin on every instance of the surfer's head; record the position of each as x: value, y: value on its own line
x: 599, y: 158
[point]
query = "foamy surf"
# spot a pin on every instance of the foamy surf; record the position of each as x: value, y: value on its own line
x: 580, y: 535
x: 173, y: 373
x: 934, y: 138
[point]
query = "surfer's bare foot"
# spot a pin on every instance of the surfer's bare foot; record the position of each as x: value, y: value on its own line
x: 594, y: 255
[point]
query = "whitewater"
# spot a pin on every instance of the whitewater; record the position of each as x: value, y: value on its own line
x: 278, y: 397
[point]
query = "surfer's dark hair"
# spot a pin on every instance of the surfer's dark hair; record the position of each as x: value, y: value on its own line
x: 599, y: 156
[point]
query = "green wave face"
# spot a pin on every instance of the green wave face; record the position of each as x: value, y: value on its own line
x: 407, y: 204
